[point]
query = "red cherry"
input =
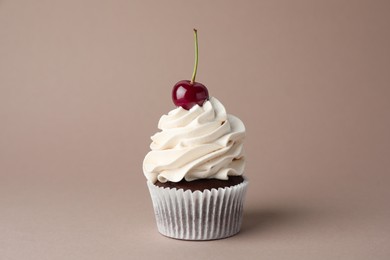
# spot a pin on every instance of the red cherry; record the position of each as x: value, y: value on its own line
x: 187, y: 94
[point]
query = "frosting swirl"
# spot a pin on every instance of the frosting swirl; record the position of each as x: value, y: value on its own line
x: 201, y: 143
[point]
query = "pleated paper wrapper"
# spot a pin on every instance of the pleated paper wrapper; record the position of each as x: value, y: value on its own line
x: 198, y: 215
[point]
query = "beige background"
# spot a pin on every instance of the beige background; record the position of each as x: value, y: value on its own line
x: 83, y: 84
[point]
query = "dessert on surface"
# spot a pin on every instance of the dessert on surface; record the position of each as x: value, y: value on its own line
x: 195, y: 166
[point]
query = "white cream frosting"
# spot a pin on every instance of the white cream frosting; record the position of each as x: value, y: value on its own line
x: 201, y: 143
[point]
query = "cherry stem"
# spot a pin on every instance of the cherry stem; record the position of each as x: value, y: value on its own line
x: 196, y: 57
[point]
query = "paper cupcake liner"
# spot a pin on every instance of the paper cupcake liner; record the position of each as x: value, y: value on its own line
x: 198, y: 215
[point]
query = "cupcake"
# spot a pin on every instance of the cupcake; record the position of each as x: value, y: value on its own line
x: 195, y: 166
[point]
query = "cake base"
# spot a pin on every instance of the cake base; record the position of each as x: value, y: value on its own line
x: 203, y: 184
